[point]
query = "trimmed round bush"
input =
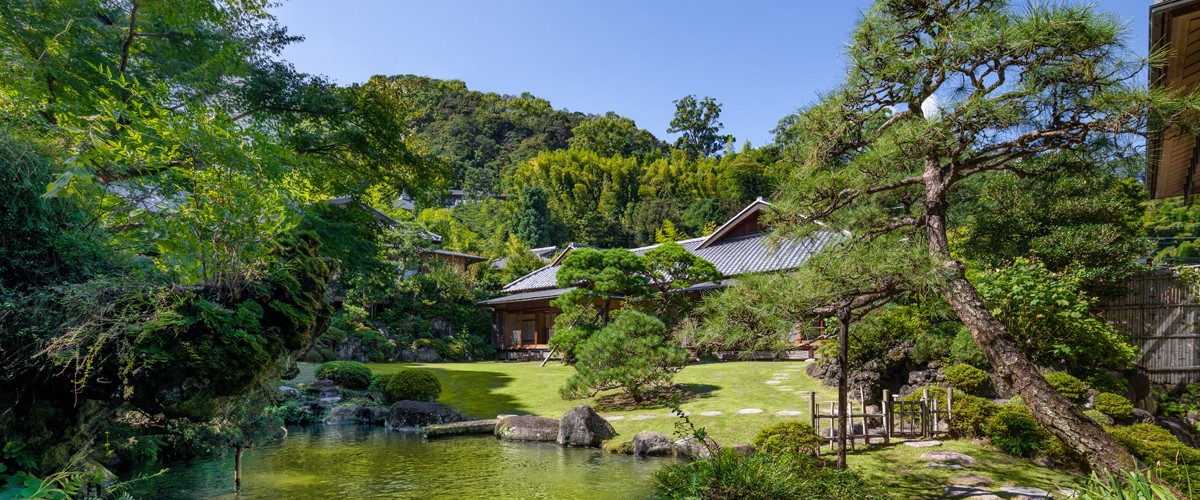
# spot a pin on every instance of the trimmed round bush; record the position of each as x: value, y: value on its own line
x: 1014, y: 430
x: 970, y: 415
x: 348, y: 374
x: 1067, y: 385
x: 788, y: 438
x: 966, y: 378
x: 410, y: 385
x: 1114, y: 405
x: 1175, y: 462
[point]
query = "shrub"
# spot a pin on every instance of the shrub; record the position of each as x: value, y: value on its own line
x: 410, y: 384
x: 1105, y: 381
x: 1175, y: 462
x: 965, y: 350
x: 293, y: 411
x: 935, y: 392
x: 1014, y: 430
x: 1069, y: 386
x: 632, y: 352
x: 970, y: 415
x: 1114, y: 405
x: 1132, y: 484
x: 1099, y: 417
x: 967, y: 378
x: 788, y: 438
x: 348, y: 374
x: 758, y: 475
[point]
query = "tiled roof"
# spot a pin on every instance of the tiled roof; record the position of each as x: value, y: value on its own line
x: 733, y: 256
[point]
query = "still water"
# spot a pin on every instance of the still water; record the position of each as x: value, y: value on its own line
x: 369, y: 462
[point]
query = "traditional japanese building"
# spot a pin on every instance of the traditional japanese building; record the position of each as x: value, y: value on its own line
x: 523, y: 318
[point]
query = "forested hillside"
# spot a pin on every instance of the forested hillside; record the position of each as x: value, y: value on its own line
x: 605, y: 181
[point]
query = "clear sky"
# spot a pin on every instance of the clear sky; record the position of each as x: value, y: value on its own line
x: 761, y: 59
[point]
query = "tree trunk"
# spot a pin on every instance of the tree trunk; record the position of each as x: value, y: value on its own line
x: 843, y: 316
x: 237, y: 468
x: 1052, y: 409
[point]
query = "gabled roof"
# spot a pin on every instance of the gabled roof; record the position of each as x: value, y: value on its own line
x: 732, y: 252
x: 344, y: 201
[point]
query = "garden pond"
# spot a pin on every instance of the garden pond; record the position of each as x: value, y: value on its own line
x: 370, y: 462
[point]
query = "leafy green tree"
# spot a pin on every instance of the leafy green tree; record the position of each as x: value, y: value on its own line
x: 699, y: 123
x: 614, y: 135
x: 632, y: 352
x: 874, y: 158
x: 590, y: 196
x: 533, y: 221
x: 519, y: 261
x: 598, y: 278
x: 1049, y: 318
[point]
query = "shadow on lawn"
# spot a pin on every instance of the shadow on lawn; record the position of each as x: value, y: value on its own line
x: 474, y: 392
x: 661, y: 398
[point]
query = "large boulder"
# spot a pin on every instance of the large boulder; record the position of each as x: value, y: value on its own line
x: 413, y: 414
x: 652, y: 444
x: 370, y: 414
x: 341, y: 415
x: 286, y: 392
x: 527, y: 428
x: 582, y: 426
x: 692, y: 449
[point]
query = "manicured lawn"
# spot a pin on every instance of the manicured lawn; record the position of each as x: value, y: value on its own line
x: 487, y: 389
x: 898, y: 470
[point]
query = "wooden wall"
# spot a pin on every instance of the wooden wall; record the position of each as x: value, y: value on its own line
x: 1163, y: 320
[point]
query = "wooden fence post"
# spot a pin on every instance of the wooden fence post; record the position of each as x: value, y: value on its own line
x: 885, y: 405
x: 812, y: 409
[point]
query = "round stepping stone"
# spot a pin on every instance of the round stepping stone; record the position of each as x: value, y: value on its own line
x: 969, y: 492
x: 953, y: 457
x: 614, y: 419
x: 774, y: 382
x: 749, y: 411
x: 939, y: 465
x: 644, y: 417
x: 711, y: 413
x: 787, y: 413
x: 784, y: 388
x: 922, y: 444
x: 971, y: 480
x: 1025, y: 492
x: 782, y: 375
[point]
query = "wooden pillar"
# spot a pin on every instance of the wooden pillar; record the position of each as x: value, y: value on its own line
x: 885, y: 406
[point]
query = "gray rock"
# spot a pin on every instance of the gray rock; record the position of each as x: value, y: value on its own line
x: 342, y: 415
x: 582, y: 426
x: 461, y: 428
x: 953, y: 457
x: 744, y: 450
x: 527, y: 428
x: 970, y: 480
x: 1177, y: 427
x: 1026, y: 492
x: 922, y: 444
x: 968, y: 492
x: 652, y: 444
x: 288, y: 392
x: 372, y: 414
x: 1141, y: 416
x: 939, y: 465
x: 412, y: 414
x: 692, y: 449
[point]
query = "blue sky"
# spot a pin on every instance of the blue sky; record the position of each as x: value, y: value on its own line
x: 760, y: 59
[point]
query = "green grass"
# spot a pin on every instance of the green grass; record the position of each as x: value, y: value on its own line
x: 487, y: 389
x: 898, y: 470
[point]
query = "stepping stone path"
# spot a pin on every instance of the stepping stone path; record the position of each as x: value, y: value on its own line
x: 969, y: 492
x: 614, y: 419
x: 948, y: 457
x: 784, y: 388
x: 970, y: 480
x: 1025, y: 492
x: 939, y: 465
x: 922, y: 444
x: 749, y: 411
x: 711, y: 413
x: 774, y: 382
x: 787, y: 413
x: 644, y: 417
